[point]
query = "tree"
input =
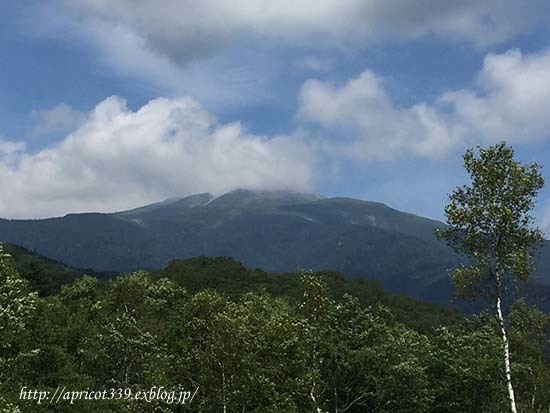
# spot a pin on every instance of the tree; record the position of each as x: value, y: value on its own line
x: 462, y: 370
x: 17, y: 307
x: 530, y: 338
x: 489, y: 222
x: 17, y: 303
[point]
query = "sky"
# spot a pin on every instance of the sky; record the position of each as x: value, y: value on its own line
x: 107, y: 105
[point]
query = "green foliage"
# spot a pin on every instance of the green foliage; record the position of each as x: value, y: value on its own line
x: 367, y: 357
x: 233, y: 279
x: 530, y: 342
x: 463, y: 359
x: 489, y: 220
x: 17, y: 304
x: 17, y: 307
x: 295, y: 344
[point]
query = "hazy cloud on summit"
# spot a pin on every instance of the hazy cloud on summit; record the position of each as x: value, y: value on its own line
x: 120, y: 159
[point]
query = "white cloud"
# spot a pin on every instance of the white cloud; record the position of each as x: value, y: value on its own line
x: 370, y: 126
x: 509, y: 101
x: 60, y: 119
x: 120, y: 159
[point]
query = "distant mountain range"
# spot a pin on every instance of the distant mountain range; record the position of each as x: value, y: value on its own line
x: 277, y: 231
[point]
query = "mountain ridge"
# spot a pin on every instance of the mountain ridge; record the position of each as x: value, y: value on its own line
x: 277, y: 231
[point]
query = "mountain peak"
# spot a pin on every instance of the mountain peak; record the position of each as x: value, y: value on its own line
x: 249, y: 197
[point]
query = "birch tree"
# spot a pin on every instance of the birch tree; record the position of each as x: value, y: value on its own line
x: 489, y: 221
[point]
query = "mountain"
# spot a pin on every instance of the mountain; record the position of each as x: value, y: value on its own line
x: 231, y: 278
x: 44, y: 275
x: 278, y: 231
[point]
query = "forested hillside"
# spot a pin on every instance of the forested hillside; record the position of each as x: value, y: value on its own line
x: 248, y: 340
x: 44, y: 275
x: 230, y: 277
x: 274, y: 230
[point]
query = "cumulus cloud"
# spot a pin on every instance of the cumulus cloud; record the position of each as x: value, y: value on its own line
x: 509, y: 100
x: 369, y: 124
x: 119, y: 159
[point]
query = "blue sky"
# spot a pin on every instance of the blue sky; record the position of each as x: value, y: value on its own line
x: 107, y: 105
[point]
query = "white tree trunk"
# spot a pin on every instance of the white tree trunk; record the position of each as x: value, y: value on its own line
x: 507, y: 369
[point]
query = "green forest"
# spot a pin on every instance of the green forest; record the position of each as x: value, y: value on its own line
x: 232, y: 339
x: 254, y: 341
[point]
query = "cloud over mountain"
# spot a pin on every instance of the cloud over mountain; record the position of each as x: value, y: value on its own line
x: 121, y: 158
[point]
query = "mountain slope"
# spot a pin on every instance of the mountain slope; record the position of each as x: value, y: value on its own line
x: 45, y: 276
x: 273, y: 230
